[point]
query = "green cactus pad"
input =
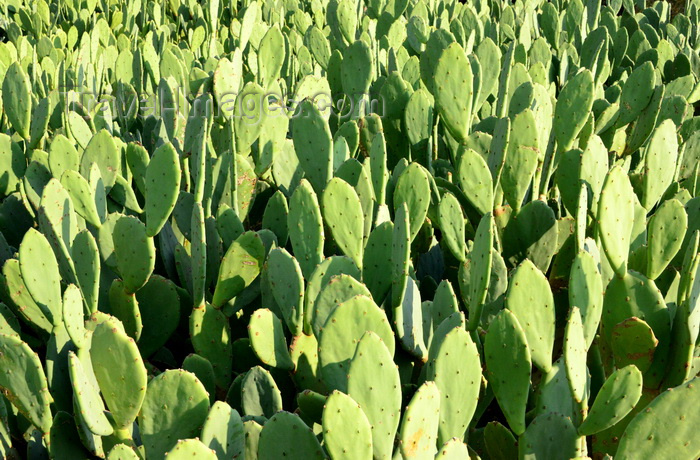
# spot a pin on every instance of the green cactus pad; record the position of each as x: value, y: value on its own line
x: 615, y: 399
x: 304, y: 353
x: 508, y: 367
x: 36, y: 316
x: 24, y: 383
x: 260, y: 396
x: 540, y: 440
x: 8, y: 322
x: 252, y: 438
x: 223, y: 431
x: 637, y: 296
x: 270, y: 59
x: 275, y: 217
x: 125, y: 307
x: 188, y: 448
x: 306, y: 228
x: 162, y: 187
x: 40, y: 273
x: 633, y: 342
x: 480, y: 263
x: 451, y: 220
x: 101, y: 150
x: 500, y: 442
x: 660, y: 163
x: 175, y: 407
x: 203, y: 370
x: 533, y: 233
x: 346, y: 430
x: 530, y: 299
x: 87, y: 399
x: 666, y: 425
x: 58, y: 221
x: 636, y: 93
x: 371, y: 364
x: 286, y: 436
x: 135, y: 252
x: 408, y: 321
x: 575, y: 355
x: 453, y: 91
x: 413, y: 188
x: 313, y: 144
x: 400, y: 254
x: 454, y: 356
x: 475, y: 180
x: 137, y: 159
x: 343, y: 330
x: 17, y: 99
x: 73, y: 317
x: 86, y: 258
x: 339, y: 289
x: 114, y: 353
x: 64, y: 441
x: 158, y: 303
x: 454, y: 449
x: 667, y: 228
x: 377, y: 253
x: 419, y: 426
x: 122, y: 452
x: 573, y: 109
x: 615, y: 218
x: 79, y: 190
x: 586, y: 293
x: 342, y: 213
x: 62, y: 156
x: 267, y: 339
x: 239, y: 267
x: 320, y: 277
x: 521, y: 159
x: 285, y: 278
x: 211, y: 338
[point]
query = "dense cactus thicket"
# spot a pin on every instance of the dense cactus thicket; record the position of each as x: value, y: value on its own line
x: 349, y: 229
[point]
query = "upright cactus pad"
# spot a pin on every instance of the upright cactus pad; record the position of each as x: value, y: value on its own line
x: 454, y: 90
x: 162, y: 185
x: 135, y: 253
x: 24, y: 383
x: 306, y: 228
x: 456, y: 355
x: 340, y: 335
x: 267, y: 339
x: 508, y: 367
x: 175, y: 407
x: 112, y: 352
x: 239, y: 267
x: 419, y: 426
x: 342, y: 212
x: 223, y: 431
x: 373, y: 381
x: 347, y: 432
x: 647, y: 434
x: 616, y: 216
x: 189, y: 448
x: 286, y: 436
x: 313, y: 144
x: 615, y: 399
x: 530, y: 299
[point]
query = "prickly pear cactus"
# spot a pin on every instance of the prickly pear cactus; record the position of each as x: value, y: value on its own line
x: 349, y: 229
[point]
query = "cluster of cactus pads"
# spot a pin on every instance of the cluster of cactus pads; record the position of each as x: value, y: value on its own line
x: 349, y: 229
